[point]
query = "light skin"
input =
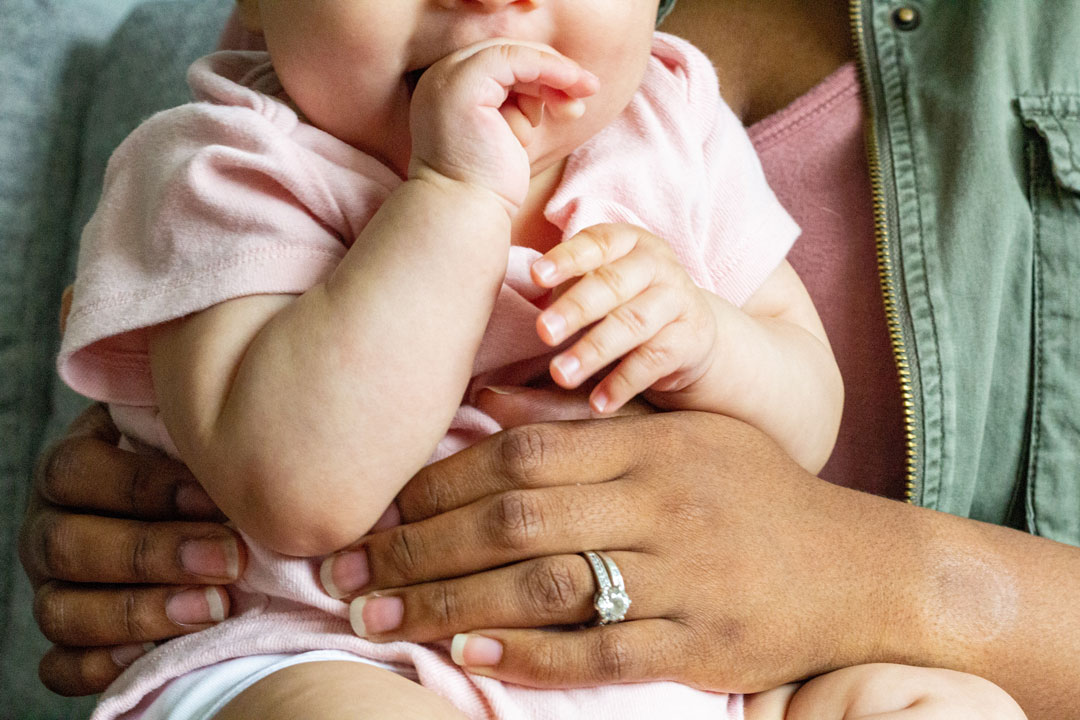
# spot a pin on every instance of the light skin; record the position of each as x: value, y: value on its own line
x: 874, y: 568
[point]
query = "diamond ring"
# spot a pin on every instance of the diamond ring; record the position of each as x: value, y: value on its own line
x: 611, y: 601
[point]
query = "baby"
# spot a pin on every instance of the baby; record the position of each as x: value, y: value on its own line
x: 292, y: 283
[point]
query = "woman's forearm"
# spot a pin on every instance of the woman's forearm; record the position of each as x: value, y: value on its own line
x: 997, y: 603
x: 304, y: 434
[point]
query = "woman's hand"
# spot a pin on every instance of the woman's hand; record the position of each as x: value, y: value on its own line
x: 122, y: 550
x: 745, y: 572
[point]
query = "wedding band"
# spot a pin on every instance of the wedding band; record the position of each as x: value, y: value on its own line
x: 611, y: 601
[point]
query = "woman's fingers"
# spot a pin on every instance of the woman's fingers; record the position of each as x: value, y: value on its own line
x: 631, y: 651
x: 531, y: 456
x: 492, y: 532
x: 546, y: 591
x: 92, y: 549
x: 86, y: 470
x: 87, y: 616
x: 73, y: 672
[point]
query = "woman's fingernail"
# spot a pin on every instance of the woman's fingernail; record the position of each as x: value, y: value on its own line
x: 475, y: 650
x: 344, y: 574
x: 192, y: 500
x: 504, y: 389
x: 374, y: 614
x: 216, y: 558
x: 197, y: 606
x: 555, y: 325
x: 544, y: 269
x: 124, y: 655
x: 567, y: 366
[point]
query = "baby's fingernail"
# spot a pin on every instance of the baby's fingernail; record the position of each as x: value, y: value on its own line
x: 475, y: 650
x: 196, y: 607
x: 344, y: 574
x: 192, y: 501
x: 574, y: 109
x: 216, y: 558
x: 567, y: 365
x: 600, y: 401
x: 554, y: 324
x: 124, y: 655
x: 372, y: 614
x: 544, y: 269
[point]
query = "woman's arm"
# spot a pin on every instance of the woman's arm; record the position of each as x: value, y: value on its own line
x: 745, y: 571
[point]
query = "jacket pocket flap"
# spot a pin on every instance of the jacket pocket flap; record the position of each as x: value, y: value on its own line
x: 1056, y: 118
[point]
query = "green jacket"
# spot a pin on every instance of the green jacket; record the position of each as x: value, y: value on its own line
x: 974, y: 137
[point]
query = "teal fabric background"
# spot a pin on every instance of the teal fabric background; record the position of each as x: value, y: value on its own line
x: 76, y: 77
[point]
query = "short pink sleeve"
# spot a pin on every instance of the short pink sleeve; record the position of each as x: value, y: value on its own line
x: 679, y: 163
x: 202, y: 204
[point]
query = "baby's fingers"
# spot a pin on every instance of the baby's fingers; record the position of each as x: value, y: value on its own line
x: 600, y: 292
x: 588, y: 250
x: 629, y: 326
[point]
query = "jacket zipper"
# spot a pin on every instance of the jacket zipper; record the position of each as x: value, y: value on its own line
x: 886, y: 271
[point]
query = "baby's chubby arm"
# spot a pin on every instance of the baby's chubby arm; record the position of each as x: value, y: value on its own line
x: 303, y: 416
x: 883, y: 691
x: 768, y: 363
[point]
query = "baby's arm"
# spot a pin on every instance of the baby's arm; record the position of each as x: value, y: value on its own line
x: 886, y: 692
x: 303, y: 417
x: 768, y: 363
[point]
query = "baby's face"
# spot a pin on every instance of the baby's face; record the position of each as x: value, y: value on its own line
x: 350, y: 65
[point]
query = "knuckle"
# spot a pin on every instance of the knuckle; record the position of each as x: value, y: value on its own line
x: 548, y: 663
x: 444, y: 605
x: 632, y: 318
x: 50, y: 613
x: 56, y: 545
x: 518, y: 519
x: 404, y: 551
x: 141, y: 554
x: 553, y: 589
x: 611, y: 279
x: 522, y: 451
x: 574, y: 306
x: 135, y: 617
x: 611, y: 657
x: 655, y: 356
x: 57, y: 468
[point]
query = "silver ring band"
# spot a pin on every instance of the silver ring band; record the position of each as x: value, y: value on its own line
x: 611, y: 601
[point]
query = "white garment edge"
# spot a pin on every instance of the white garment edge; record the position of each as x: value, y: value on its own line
x: 201, y: 694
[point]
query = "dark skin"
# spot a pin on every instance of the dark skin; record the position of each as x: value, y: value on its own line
x: 815, y: 577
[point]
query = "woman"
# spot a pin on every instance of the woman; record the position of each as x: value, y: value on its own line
x: 973, y: 199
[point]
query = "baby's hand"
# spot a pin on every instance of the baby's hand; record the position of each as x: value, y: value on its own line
x: 655, y: 316
x: 474, y: 112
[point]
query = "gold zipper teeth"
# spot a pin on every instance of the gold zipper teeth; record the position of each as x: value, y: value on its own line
x: 885, y: 267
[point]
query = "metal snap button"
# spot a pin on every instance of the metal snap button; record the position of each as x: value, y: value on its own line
x: 906, y: 18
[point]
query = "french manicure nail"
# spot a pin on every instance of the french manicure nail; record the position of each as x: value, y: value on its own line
x: 124, y: 655
x: 504, y: 389
x: 345, y: 573
x: 216, y: 558
x: 374, y: 614
x: 197, y: 606
x: 475, y: 650
x: 192, y: 500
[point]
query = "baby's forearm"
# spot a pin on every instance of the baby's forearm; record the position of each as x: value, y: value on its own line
x: 343, y: 394
x: 774, y: 374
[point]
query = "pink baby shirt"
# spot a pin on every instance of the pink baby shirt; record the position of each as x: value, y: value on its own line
x: 235, y: 195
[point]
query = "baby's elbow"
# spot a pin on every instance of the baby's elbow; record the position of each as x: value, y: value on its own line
x: 299, y: 518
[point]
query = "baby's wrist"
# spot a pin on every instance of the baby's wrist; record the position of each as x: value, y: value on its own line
x: 469, y: 192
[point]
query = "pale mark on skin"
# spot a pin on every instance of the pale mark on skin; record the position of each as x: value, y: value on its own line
x: 973, y: 598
